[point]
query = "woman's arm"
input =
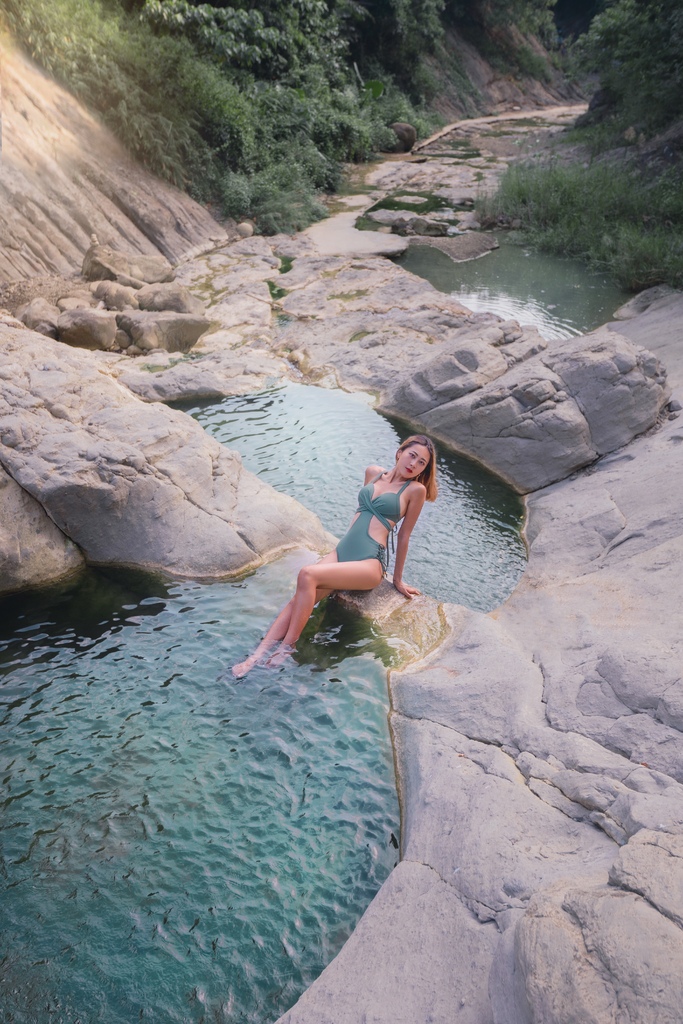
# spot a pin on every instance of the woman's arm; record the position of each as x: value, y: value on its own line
x: 416, y: 499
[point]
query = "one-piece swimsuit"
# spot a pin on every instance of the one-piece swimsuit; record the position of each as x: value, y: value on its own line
x: 357, y: 544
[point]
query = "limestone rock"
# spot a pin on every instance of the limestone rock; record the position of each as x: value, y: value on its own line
x: 596, y: 955
x: 33, y: 551
x: 215, y: 374
x: 651, y: 865
x: 415, y: 928
x: 174, y: 332
x: 172, y: 296
x: 87, y: 328
x: 642, y: 301
x: 131, y: 483
x: 545, y: 417
x: 64, y: 177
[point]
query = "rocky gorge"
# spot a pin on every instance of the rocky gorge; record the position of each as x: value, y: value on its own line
x: 538, y: 747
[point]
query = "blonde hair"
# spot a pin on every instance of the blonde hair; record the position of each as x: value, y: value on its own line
x: 428, y: 474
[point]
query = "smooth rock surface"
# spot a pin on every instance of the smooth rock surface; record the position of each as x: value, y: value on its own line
x: 63, y: 177
x: 131, y: 483
x: 32, y: 550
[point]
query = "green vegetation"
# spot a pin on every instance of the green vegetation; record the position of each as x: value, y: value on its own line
x: 254, y: 104
x: 623, y: 212
x: 612, y: 216
x: 252, y: 107
x: 637, y: 49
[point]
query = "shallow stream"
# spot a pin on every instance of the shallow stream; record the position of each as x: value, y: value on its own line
x: 180, y: 847
x: 560, y: 297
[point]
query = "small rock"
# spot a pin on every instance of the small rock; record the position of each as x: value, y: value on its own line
x: 245, y: 229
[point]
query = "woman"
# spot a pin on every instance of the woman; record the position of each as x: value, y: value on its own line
x: 360, y: 559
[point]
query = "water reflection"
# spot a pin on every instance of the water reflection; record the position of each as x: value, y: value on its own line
x: 314, y: 444
x: 560, y: 297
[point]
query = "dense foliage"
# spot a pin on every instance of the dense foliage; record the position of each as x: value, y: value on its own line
x: 636, y: 46
x: 615, y: 217
x: 252, y: 103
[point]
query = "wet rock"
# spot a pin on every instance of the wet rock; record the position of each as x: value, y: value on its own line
x: 87, y: 328
x: 132, y: 483
x: 33, y: 552
x: 174, y: 332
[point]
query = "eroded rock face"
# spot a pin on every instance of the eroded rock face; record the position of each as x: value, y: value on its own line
x: 32, y: 550
x: 64, y: 176
x: 130, y: 483
x: 538, y: 421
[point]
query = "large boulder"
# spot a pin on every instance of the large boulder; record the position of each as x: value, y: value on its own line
x: 88, y: 328
x: 171, y: 296
x: 33, y: 551
x: 102, y: 263
x: 543, y: 418
x: 132, y: 483
x: 174, y: 332
x: 41, y: 316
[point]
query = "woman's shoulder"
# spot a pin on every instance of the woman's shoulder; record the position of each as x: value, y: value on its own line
x: 371, y: 472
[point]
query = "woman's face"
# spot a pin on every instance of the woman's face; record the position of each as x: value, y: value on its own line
x: 411, y: 461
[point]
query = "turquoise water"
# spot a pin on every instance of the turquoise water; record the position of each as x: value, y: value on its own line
x: 314, y: 444
x: 560, y: 297
x: 176, y: 846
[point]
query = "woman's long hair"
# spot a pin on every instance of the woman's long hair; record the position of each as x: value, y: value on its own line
x: 428, y: 474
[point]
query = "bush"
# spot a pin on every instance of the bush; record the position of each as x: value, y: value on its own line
x: 611, y: 216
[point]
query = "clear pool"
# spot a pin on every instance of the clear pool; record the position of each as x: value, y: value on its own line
x: 179, y: 847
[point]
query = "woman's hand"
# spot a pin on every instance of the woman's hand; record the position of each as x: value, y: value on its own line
x: 405, y: 589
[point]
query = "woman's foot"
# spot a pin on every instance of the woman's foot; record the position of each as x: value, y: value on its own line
x: 240, y: 670
x: 281, y: 656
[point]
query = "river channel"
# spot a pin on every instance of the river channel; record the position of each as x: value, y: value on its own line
x: 177, y: 846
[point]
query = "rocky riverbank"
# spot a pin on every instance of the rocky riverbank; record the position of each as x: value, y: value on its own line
x: 539, y: 747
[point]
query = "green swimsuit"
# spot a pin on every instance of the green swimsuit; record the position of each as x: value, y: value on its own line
x: 357, y: 544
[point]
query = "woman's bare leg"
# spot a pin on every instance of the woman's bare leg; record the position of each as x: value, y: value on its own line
x: 278, y: 630
x: 324, y: 576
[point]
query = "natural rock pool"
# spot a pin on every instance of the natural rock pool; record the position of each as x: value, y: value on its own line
x: 560, y: 297
x: 180, y: 847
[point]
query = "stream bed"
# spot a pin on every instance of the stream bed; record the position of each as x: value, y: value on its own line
x: 177, y: 846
